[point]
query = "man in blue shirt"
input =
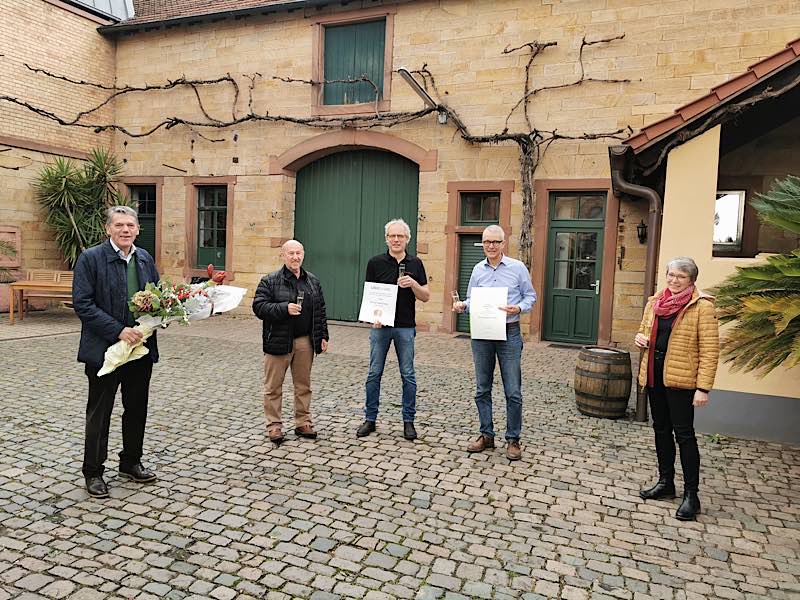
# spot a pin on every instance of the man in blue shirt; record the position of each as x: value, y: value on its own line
x: 499, y: 270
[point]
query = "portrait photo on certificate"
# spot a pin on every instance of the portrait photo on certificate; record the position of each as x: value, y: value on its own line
x: 486, y: 320
x: 378, y: 303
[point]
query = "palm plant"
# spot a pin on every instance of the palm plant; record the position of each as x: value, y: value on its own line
x: 74, y: 199
x: 764, y: 300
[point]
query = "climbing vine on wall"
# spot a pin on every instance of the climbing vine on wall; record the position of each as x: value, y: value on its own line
x: 532, y: 139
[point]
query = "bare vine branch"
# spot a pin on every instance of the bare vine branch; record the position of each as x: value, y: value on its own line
x: 533, y: 143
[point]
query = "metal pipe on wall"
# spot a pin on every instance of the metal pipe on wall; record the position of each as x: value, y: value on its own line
x: 618, y: 156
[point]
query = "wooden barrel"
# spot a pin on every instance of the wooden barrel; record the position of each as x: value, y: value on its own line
x: 603, y: 381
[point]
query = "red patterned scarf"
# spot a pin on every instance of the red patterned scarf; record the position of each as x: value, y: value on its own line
x: 665, y: 306
x: 668, y: 304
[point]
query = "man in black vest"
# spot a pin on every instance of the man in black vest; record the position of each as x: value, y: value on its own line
x: 395, y: 266
x: 106, y: 277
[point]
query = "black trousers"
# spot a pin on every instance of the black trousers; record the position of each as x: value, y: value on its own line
x: 673, y: 412
x: 134, y: 377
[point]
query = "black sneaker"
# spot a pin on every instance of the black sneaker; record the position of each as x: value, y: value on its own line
x: 137, y: 473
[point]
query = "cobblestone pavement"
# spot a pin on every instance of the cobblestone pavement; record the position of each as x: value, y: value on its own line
x: 378, y: 517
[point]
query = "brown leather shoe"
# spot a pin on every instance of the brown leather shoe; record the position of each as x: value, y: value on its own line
x: 480, y: 444
x: 513, y: 451
x: 275, y: 434
x: 306, y: 431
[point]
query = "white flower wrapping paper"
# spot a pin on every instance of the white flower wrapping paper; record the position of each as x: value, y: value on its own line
x: 218, y: 299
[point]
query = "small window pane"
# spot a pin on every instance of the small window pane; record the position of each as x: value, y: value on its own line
x: 480, y: 208
x: 490, y: 210
x: 592, y: 207
x: 208, y: 238
x: 566, y: 207
x: 565, y: 246
x: 562, y: 274
x: 584, y: 275
x: 728, y: 213
x: 472, y: 207
x: 587, y: 246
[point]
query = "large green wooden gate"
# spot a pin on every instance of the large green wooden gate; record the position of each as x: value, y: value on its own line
x: 342, y: 203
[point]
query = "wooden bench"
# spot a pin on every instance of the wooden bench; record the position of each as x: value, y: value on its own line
x: 39, y: 283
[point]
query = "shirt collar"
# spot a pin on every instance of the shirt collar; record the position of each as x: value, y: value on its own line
x: 502, y: 261
x: 119, y: 251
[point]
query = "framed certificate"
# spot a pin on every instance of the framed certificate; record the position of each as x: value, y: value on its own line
x: 378, y: 303
x: 486, y: 320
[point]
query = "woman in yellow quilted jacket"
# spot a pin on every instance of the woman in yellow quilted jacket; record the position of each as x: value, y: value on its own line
x: 679, y: 330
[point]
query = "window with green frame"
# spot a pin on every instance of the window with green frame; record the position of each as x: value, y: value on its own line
x: 212, y: 222
x: 569, y: 206
x: 145, y: 198
x: 352, y: 51
x: 480, y: 208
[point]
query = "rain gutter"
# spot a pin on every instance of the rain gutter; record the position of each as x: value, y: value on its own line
x: 618, y: 156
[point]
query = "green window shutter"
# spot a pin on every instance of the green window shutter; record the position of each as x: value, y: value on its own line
x: 352, y: 51
x: 145, y: 198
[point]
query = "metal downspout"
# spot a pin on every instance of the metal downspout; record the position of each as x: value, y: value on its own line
x: 618, y: 156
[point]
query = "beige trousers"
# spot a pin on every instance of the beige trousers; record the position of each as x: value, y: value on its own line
x: 300, y: 360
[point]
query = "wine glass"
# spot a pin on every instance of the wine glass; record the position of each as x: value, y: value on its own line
x: 300, y: 296
x: 402, y: 270
x: 456, y: 297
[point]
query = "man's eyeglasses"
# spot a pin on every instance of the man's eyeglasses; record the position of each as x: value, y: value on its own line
x: 492, y: 242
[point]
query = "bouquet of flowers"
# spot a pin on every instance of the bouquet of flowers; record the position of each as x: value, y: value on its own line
x: 162, y: 303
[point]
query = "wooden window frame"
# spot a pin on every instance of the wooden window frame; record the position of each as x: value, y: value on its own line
x: 750, y: 224
x: 192, y: 184
x: 453, y: 229
x: 543, y: 188
x: 319, y: 24
x: 158, y: 182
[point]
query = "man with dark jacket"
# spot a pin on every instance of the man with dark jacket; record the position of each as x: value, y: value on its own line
x: 106, y: 277
x: 292, y: 307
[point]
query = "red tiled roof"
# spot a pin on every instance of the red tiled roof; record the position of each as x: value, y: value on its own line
x: 155, y: 11
x: 760, y: 70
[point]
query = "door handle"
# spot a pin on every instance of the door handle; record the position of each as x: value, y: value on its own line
x: 596, y: 286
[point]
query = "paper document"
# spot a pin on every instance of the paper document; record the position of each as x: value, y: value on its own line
x: 486, y: 320
x: 378, y: 303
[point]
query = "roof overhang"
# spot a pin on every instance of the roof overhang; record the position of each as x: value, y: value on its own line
x: 763, y: 97
x: 262, y: 9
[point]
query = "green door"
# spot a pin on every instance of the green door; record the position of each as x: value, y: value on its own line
x: 574, y: 260
x: 342, y: 203
x: 470, y: 253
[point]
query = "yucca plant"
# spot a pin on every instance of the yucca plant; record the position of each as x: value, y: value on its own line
x: 764, y: 300
x: 75, y: 197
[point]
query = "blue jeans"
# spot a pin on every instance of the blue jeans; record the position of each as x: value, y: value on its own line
x: 509, y: 354
x: 379, y: 341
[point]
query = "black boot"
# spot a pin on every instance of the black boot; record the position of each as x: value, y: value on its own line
x: 689, y: 508
x: 665, y: 488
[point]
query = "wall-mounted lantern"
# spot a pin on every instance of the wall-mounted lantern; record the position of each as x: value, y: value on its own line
x: 641, y: 232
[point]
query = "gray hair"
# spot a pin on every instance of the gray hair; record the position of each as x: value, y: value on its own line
x: 398, y: 222
x: 497, y: 230
x: 120, y: 210
x: 684, y: 264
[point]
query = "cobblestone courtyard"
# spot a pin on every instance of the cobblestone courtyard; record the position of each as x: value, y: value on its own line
x: 232, y: 516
